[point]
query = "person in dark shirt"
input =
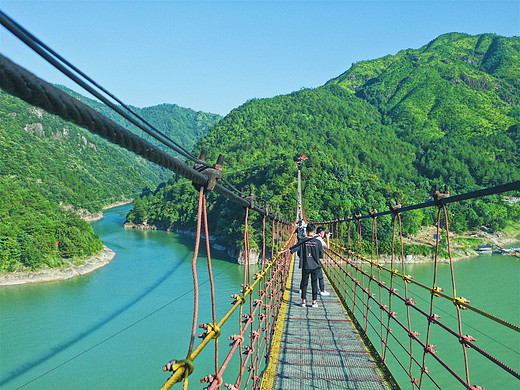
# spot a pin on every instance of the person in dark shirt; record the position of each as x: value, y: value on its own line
x: 310, y: 251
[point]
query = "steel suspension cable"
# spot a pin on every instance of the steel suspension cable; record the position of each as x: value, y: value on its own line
x: 54, y: 59
x: 427, y: 349
x: 48, y: 53
x: 19, y: 82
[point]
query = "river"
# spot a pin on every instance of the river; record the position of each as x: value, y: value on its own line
x: 117, y: 327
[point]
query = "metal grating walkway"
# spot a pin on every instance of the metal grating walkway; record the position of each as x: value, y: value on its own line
x: 319, y: 348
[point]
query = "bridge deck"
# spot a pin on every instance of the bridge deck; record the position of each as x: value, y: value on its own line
x: 319, y: 348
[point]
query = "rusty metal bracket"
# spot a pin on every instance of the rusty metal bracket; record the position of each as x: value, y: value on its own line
x: 212, y: 174
x: 394, y: 209
x: 438, y: 196
x: 250, y: 199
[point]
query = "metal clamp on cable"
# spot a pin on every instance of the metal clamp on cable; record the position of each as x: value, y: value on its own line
x: 211, y: 173
x: 394, y: 209
x: 249, y: 199
x: 438, y: 196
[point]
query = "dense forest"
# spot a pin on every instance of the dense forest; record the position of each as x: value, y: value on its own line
x: 445, y: 114
x: 48, y: 165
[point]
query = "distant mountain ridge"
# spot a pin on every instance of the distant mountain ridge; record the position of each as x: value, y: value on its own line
x: 447, y: 113
x: 184, y: 125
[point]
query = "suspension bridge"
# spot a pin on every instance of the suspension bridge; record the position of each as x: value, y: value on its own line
x: 349, y: 341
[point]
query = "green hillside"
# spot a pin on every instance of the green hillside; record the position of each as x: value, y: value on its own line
x: 446, y: 113
x: 184, y: 125
x: 46, y: 162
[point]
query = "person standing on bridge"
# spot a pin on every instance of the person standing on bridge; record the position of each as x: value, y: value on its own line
x: 322, y: 235
x: 310, y: 251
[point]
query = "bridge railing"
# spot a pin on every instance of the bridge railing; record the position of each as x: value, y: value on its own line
x: 399, y: 316
x: 257, y: 306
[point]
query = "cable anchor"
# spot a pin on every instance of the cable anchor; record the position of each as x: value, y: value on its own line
x: 439, y: 196
x: 212, y: 174
x: 250, y: 199
x: 209, y: 328
x: 394, y: 209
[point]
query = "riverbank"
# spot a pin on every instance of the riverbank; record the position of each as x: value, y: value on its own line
x: 92, y: 217
x: 63, y: 273
x: 54, y: 274
x: 238, y: 254
x: 463, y: 246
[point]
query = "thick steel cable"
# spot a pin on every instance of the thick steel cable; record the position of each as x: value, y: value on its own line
x: 54, y: 59
x: 513, y: 186
x: 46, y: 52
x: 17, y: 81
x: 461, y: 198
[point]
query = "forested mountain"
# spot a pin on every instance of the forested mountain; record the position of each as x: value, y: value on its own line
x: 447, y: 113
x: 184, y: 125
x: 46, y: 162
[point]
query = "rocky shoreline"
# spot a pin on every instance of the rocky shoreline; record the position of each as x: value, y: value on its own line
x: 63, y: 273
x: 423, y: 237
x: 106, y: 255
x: 54, y: 274
x: 459, y: 252
x: 92, y: 217
x: 238, y: 254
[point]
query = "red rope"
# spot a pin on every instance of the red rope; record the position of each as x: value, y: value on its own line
x: 210, y: 272
x: 464, y: 351
x: 434, y: 286
x: 194, y: 271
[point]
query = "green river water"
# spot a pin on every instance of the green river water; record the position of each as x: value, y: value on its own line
x: 116, y: 327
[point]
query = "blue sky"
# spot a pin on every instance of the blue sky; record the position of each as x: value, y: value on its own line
x: 215, y: 55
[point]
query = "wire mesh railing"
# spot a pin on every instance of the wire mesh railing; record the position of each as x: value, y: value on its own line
x: 400, y: 315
